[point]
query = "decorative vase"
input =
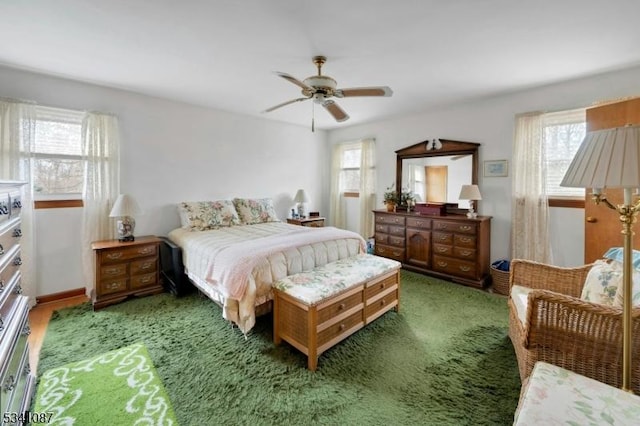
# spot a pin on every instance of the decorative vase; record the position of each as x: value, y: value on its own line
x: 390, y: 207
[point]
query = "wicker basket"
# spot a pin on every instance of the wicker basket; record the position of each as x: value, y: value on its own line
x: 500, y: 280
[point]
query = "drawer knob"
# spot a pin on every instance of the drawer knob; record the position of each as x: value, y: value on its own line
x: 382, y: 285
x: 465, y: 228
x: 9, y: 384
x: 4, y: 209
x: 17, y: 233
x: 1, y: 250
x: 17, y: 261
x: 17, y: 290
x: 1, y: 286
x: 1, y: 323
x: 341, y: 306
x: 17, y: 204
x: 382, y: 302
x: 341, y: 327
x: 26, y: 330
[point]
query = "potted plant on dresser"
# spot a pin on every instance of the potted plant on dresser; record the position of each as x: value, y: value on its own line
x: 390, y: 198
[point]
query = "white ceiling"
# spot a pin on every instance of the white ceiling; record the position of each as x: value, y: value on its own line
x: 222, y: 53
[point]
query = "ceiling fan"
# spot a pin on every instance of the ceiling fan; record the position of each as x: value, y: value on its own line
x: 321, y: 88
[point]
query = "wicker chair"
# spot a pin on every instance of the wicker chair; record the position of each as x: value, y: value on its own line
x: 566, y: 331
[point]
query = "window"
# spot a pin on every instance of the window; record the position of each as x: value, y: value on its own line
x: 563, y: 134
x: 57, y: 167
x: 350, y: 169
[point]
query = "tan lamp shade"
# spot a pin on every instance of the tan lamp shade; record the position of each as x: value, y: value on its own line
x: 470, y: 192
x: 124, y: 209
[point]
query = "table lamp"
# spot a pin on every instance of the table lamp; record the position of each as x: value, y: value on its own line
x: 610, y: 158
x: 471, y: 193
x: 124, y: 209
x: 301, y: 198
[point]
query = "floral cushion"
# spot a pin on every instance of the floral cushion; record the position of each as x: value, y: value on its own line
x: 253, y: 211
x: 204, y: 215
x: 321, y: 283
x: 602, y: 283
x: 635, y: 290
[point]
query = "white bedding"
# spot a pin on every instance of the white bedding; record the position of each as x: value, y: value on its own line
x: 201, y: 248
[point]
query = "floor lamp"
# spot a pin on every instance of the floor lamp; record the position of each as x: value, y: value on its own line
x: 610, y: 158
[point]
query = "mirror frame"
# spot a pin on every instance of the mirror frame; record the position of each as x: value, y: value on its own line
x: 449, y: 147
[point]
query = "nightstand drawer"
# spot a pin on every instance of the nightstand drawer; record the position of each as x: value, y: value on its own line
x: 112, y: 286
x: 114, y: 271
x: 125, y: 253
x: 145, y: 280
x: 144, y: 266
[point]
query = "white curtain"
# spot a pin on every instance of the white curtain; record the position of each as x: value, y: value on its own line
x: 101, y: 152
x: 530, y: 210
x: 337, y: 208
x: 367, y: 195
x: 17, y: 138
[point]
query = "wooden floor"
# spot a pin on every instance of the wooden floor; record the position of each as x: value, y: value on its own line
x: 39, y: 317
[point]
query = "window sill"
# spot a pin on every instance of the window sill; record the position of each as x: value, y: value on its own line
x: 570, y: 203
x: 351, y: 194
x: 57, y: 204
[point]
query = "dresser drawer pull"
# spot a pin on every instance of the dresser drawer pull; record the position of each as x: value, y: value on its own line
x: 17, y: 290
x: 465, y: 239
x: 146, y: 280
x: 342, y: 327
x: 17, y: 204
x: 9, y: 384
x: 441, y: 249
x: 341, y: 306
x: 444, y: 237
x: 112, y: 271
x: 382, y: 285
x: 116, y: 255
x: 396, y: 253
x: 442, y: 264
x: 382, y: 302
x: 396, y: 220
x: 465, y: 228
x: 466, y: 253
x: 17, y: 261
x: 145, y: 250
x: 465, y: 268
x: 381, y: 250
x: 146, y: 265
x: 1, y: 323
x: 17, y: 233
x: 4, y: 209
x: 1, y: 250
x: 1, y: 286
x: 26, y: 330
x: 114, y: 285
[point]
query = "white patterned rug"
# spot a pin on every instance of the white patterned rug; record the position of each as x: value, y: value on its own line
x: 120, y: 387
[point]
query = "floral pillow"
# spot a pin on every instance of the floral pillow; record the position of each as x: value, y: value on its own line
x: 253, y: 211
x: 635, y: 290
x: 602, y: 283
x: 204, y: 215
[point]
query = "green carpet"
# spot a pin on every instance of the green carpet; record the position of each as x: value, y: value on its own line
x: 116, y: 388
x: 445, y: 359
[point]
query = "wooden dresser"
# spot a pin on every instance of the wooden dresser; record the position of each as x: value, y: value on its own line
x: 125, y: 269
x: 16, y: 380
x: 451, y: 247
x: 314, y: 222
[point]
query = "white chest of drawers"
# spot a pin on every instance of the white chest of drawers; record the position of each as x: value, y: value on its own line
x: 16, y: 380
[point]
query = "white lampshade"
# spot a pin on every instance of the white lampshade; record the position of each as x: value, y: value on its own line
x: 470, y: 192
x: 125, y: 205
x: 608, y: 158
x: 301, y: 197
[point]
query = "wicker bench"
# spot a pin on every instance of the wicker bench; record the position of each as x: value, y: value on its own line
x: 314, y: 310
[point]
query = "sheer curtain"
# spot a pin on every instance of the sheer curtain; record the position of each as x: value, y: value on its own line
x: 367, y: 196
x: 17, y: 138
x: 530, y: 210
x: 101, y: 152
x: 366, y: 187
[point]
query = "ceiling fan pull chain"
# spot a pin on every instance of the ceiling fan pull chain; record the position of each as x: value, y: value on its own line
x: 313, y: 117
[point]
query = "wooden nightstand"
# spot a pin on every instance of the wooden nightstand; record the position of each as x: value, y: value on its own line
x: 315, y: 222
x: 125, y: 269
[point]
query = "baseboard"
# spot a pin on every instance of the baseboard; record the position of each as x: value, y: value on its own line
x: 47, y: 298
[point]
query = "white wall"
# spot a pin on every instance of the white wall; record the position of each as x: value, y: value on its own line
x: 490, y: 122
x: 171, y: 152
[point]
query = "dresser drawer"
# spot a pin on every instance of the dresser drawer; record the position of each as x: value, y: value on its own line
x: 463, y: 228
x: 144, y: 266
x: 421, y: 223
x: 109, y: 272
x: 15, y: 202
x: 112, y: 286
x: 9, y: 265
x: 125, y: 253
x: 340, y: 329
x: 382, y: 238
x: 382, y: 228
x: 339, y: 307
x: 453, y: 266
x: 14, y: 346
x: 464, y: 241
x: 396, y: 241
x: 442, y: 250
x: 390, y: 219
x: 390, y: 252
x: 442, y: 238
x: 10, y: 234
x: 464, y: 253
x: 139, y: 281
x: 396, y: 230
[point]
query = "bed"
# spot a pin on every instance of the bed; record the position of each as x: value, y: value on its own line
x: 235, y: 261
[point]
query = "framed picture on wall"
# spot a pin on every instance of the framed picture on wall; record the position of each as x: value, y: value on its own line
x: 496, y: 168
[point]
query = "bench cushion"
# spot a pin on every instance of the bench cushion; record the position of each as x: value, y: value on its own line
x: 321, y: 283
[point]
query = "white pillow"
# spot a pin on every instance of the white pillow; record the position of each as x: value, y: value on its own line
x: 602, y: 283
x: 635, y: 290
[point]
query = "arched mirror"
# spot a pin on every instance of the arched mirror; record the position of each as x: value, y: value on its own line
x: 435, y: 170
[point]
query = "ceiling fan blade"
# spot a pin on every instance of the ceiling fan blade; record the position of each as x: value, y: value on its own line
x: 364, y: 91
x: 293, y: 80
x: 335, y: 110
x: 284, y: 103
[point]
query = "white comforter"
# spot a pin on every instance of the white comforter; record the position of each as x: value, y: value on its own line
x: 265, y: 253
